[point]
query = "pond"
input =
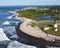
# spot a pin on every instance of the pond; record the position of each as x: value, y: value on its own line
x: 48, y: 17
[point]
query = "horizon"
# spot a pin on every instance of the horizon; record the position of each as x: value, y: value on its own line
x: 28, y: 2
x: 29, y: 5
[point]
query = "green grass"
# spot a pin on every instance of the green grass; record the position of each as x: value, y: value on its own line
x: 50, y: 24
x: 32, y: 13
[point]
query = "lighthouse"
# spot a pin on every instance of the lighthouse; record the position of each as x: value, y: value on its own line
x: 55, y: 25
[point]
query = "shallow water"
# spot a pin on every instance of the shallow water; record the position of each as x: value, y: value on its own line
x: 8, y: 26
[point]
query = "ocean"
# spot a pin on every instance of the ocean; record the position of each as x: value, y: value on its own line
x: 24, y: 6
x: 11, y: 7
x: 8, y: 33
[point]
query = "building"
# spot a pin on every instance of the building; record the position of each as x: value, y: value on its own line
x: 46, y: 28
x: 55, y: 25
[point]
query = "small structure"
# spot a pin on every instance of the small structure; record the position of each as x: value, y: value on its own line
x: 46, y: 28
x: 55, y: 25
x: 55, y: 29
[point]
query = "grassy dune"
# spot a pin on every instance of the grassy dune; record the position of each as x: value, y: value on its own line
x: 50, y: 25
x: 32, y: 13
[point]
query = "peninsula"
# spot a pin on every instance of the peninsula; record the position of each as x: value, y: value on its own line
x: 31, y: 26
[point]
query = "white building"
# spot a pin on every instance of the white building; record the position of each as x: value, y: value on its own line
x: 46, y: 28
x: 55, y: 25
x: 55, y: 29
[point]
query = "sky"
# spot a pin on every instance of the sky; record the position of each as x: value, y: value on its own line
x: 28, y: 2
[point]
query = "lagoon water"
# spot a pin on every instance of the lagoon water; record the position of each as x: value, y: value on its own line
x: 47, y: 17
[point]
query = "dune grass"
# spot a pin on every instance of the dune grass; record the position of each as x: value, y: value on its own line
x: 50, y: 25
x: 32, y: 13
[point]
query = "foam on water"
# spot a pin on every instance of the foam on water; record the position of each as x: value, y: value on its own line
x: 12, y: 16
x: 16, y: 44
x: 8, y: 32
x: 6, y: 23
x: 2, y: 35
x: 9, y: 17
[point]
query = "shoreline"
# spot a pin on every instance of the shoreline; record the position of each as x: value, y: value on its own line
x: 32, y: 31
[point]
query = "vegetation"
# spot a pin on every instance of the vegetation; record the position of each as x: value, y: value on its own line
x: 50, y: 25
x: 32, y: 13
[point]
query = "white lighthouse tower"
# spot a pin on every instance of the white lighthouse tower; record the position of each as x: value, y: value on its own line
x: 55, y: 25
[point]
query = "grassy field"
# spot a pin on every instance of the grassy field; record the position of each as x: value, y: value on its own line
x: 32, y: 13
x: 50, y: 25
